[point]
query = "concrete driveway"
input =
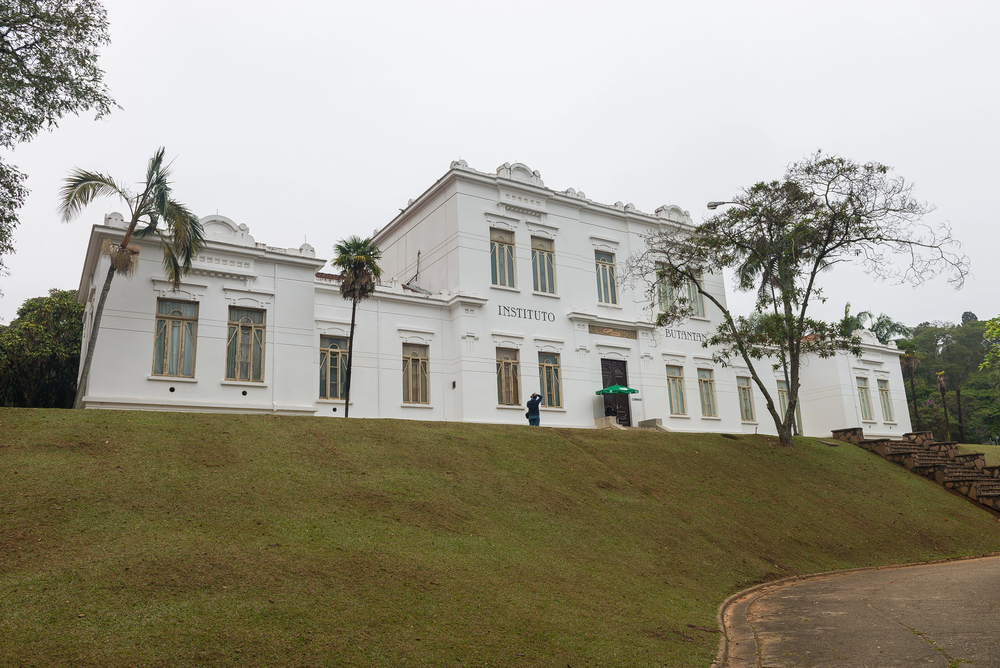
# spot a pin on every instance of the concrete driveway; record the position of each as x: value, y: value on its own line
x: 945, y: 614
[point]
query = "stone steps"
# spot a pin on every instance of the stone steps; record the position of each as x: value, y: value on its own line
x: 919, y: 453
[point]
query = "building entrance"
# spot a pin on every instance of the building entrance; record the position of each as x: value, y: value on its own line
x: 615, y: 372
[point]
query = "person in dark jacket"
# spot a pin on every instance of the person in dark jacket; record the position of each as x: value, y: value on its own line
x: 534, y: 419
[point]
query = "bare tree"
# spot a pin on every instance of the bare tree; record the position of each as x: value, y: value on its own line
x: 825, y: 211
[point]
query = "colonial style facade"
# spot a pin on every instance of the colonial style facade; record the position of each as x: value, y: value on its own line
x: 494, y: 287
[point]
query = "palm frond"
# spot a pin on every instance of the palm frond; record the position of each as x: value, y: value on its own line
x: 357, y: 259
x: 81, y: 187
x: 172, y: 262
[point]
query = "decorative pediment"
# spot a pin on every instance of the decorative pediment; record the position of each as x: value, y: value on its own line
x: 220, y: 228
x: 520, y: 172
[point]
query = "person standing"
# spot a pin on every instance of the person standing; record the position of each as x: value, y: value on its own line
x: 534, y: 419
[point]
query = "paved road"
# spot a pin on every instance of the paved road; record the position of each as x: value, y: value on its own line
x: 944, y: 615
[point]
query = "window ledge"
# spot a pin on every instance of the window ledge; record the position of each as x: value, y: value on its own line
x: 511, y: 408
x: 550, y: 295
x: 617, y: 306
x: 504, y: 287
x: 679, y: 416
x: 890, y: 422
x: 243, y: 383
x: 870, y: 421
x: 332, y: 401
x: 750, y: 422
x: 551, y: 410
x: 701, y: 318
x: 173, y: 379
x: 406, y: 405
x: 711, y: 417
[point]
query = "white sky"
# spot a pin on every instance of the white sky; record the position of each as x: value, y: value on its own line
x: 320, y: 120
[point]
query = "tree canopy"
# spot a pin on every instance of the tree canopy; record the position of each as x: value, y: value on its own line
x: 778, y: 238
x: 40, y: 352
x: 48, y: 68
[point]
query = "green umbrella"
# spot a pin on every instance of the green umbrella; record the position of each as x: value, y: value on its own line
x: 617, y: 389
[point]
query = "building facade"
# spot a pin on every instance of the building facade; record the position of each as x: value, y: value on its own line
x: 494, y: 287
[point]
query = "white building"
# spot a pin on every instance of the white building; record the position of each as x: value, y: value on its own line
x: 495, y: 287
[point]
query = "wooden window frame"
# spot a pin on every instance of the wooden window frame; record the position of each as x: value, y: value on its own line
x: 333, y: 367
x: 416, y: 374
x: 885, y: 398
x: 256, y: 333
x: 508, y: 378
x: 706, y: 391
x: 607, y: 278
x: 543, y: 265
x: 745, y: 393
x: 188, y: 333
x: 550, y: 381
x: 865, y: 399
x: 503, y: 265
x: 675, y: 389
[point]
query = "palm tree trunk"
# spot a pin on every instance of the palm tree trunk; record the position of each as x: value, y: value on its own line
x: 913, y: 389
x: 350, y: 362
x: 961, y: 427
x: 81, y: 388
x: 947, y: 425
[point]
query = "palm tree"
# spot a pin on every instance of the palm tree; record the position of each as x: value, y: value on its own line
x: 885, y: 329
x: 357, y: 259
x: 942, y: 384
x: 179, y: 231
x: 909, y: 363
x: 855, y: 321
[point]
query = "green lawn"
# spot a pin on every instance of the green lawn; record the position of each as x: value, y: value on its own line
x: 991, y: 452
x: 158, y: 539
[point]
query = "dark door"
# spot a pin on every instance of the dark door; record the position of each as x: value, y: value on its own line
x: 615, y: 372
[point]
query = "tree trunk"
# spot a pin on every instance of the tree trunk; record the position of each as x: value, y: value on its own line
x: 785, y: 435
x: 961, y: 427
x: 947, y: 425
x: 81, y: 388
x: 913, y: 389
x: 350, y: 362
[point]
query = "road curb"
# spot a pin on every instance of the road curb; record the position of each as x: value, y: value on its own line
x: 737, y: 642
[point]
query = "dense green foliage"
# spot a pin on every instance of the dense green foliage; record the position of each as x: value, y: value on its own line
x: 953, y: 353
x: 778, y: 239
x: 40, y: 352
x: 130, y: 538
x: 48, y: 69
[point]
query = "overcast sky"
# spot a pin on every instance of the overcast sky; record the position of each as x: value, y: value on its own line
x: 318, y: 120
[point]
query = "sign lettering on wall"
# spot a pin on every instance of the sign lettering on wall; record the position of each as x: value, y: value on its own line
x: 685, y: 335
x: 525, y: 313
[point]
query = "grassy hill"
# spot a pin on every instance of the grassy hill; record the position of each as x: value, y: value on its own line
x: 158, y: 539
